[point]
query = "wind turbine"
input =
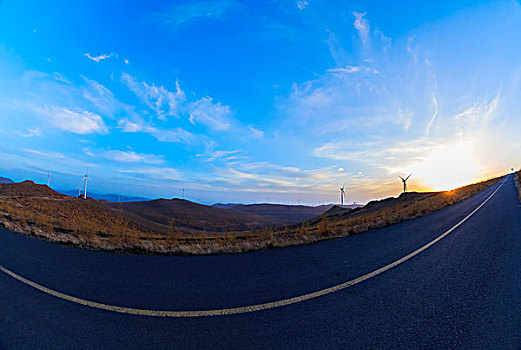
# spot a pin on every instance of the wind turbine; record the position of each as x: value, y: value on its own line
x: 48, y: 179
x: 85, y: 178
x: 405, y: 182
x: 342, y: 195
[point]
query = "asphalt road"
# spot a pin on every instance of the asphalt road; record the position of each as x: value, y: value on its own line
x: 462, y: 292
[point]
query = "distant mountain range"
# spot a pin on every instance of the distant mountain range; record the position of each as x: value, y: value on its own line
x: 114, y: 198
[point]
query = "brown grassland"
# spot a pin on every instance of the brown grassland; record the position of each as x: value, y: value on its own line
x: 38, y: 211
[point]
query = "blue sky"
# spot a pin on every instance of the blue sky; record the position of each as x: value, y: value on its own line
x: 279, y: 101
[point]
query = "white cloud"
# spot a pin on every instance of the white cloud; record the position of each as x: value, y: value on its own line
x: 100, y: 57
x: 353, y: 69
x: 130, y: 126
x: 177, y: 135
x: 266, y: 177
x: 482, y: 111
x: 44, y: 154
x: 209, y: 113
x: 164, y: 102
x: 100, y: 97
x: 60, y: 77
x: 377, y: 154
x: 220, y: 154
x: 362, y: 26
x: 256, y: 132
x: 302, y: 4
x: 433, y: 118
x: 133, y: 157
x: 31, y: 133
x: 78, y: 122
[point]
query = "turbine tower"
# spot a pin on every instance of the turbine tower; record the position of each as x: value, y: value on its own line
x: 85, y: 178
x: 342, y: 195
x: 405, y: 182
x: 48, y: 179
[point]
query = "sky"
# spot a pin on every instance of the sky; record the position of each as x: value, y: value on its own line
x: 259, y: 101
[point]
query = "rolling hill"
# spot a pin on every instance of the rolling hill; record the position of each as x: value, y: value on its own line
x: 285, y: 214
x: 196, y: 216
x: 176, y: 226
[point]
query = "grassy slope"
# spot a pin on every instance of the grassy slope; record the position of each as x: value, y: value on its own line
x: 286, y: 214
x: 39, y: 211
x: 193, y: 216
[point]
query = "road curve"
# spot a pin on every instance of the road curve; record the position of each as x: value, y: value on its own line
x: 463, y: 291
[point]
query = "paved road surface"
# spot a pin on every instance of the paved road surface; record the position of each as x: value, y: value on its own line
x: 462, y: 292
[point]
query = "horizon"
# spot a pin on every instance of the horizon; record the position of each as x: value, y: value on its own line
x: 197, y: 200
x: 229, y: 102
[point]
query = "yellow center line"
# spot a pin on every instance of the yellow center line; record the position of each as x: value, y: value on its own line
x: 241, y: 309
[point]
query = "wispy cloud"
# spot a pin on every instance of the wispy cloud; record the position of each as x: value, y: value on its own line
x: 267, y: 177
x: 99, y: 58
x: 353, y: 69
x: 133, y: 157
x: 101, y: 98
x: 184, y: 13
x: 177, y: 135
x: 302, y: 4
x: 42, y: 154
x: 75, y: 121
x: 379, y: 154
x: 162, y: 101
x: 256, y: 132
x: 435, y: 114
x: 210, y: 113
x: 361, y: 24
x: 222, y: 155
x: 31, y: 133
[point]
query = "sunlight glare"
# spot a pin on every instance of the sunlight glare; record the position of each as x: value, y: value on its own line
x: 448, y: 167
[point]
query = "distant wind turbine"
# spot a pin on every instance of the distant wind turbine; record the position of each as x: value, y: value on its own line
x: 48, y: 179
x: 405, y: 182
x: 342, y: 195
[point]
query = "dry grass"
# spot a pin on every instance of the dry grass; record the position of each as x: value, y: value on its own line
x: 92, y: 224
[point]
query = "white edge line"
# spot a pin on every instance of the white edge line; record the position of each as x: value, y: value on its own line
x: 242, y: 309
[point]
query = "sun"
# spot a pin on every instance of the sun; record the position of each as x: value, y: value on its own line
x: 448, y: 167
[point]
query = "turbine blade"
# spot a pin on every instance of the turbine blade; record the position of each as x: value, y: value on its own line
x: 408, y: 177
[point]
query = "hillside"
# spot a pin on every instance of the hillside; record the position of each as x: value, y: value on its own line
x: 38, y: 210
x: 195, y: 216
x: 337, y: 213
x: 285, y: 214
x: 181, y: 227
x: 5, y: 180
